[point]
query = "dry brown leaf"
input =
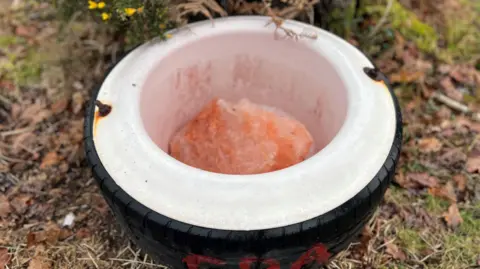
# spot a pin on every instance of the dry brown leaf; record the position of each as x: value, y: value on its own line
x: 25, y: 31
x: 35, y: 113
x: 7, y: 85
x: 83, y: 233
x: 473, y: 164
x: 429, y: 144
x: 461, y: 182
x: 401, y: 180
x: 59, y: 106
x: 423, y: 179
x: 50, y: 159
x: 15, y: 111
x: 450, y: 89
x: 461, y: 121
x: 21, y: 202
x: 399, y: 44
x: 4, y: 257
x: 39, y: 263
x: 99, y: 204
x: 465, y: 74
x: 452, y: 157
x: 77, y: 102
x: 406, y: 76
x: 5, y: 208
x: 52, y: 234
x: 446, y: 192
x: 19, y: 140
x: 395, y: 251
x: 452, y: 216
x: 444, y: 113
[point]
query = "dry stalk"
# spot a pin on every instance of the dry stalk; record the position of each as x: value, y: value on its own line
x: 278, y: 21
x: 205, y: 7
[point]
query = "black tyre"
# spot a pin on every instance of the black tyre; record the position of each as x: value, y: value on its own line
x: 302, y: 245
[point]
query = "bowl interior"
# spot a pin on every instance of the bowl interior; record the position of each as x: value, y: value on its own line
x: 285, y: 74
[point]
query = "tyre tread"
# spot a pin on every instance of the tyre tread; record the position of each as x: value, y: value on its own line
x: 155, y: 232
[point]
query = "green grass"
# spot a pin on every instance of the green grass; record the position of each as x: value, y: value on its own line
x: 407, y: 23
x: 8, y: 40
x: 411, y: 240
x: 436, y: 205
x: 23, y: 71
x: 458, y: 31
x: 462, y: 247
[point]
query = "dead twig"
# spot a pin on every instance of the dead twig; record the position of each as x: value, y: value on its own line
x: 383, y: 19
x: 278, y: 21
x: 17, y: 131
x: 137, y: 262
x: 455, y: 105
x: 194, y: 7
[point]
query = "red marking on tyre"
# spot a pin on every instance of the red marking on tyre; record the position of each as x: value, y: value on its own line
x: 193, y: 261
x: 317, y: 253
x: 246, y: 263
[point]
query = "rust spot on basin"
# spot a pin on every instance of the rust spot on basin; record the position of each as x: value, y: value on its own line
x: 101, y: 111
x: 376, y: 76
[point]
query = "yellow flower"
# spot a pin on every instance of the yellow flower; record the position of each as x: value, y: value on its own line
x: 140, y: 9
x: 105, y: 16
x: 168, y: 36
x: 163, y: 26
x: 92, y: 5
x: 130, y: 11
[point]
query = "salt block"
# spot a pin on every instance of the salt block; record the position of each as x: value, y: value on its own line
x: 242, y: 138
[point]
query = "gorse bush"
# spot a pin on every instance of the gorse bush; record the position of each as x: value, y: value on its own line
x: 141, y: 20
x: 137, y: 20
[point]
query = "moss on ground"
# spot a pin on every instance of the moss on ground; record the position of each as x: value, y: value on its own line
x: 462, y: 247
x: 436, y: 205
x: 459, y: 32
x: 407, y: 23
x: 411, y: 240
x: 24, y: 71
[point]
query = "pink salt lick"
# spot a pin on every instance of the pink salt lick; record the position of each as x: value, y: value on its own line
x: 241, y: 138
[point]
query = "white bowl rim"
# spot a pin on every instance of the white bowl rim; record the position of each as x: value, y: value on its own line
x: 276, y: 199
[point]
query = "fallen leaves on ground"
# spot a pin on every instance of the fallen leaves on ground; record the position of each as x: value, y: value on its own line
x: 26, y: 31
x: 473, y: 164
x: 77, y: 102
x: 5, y: 208
x: 59, y: 106
x: 52, y: 234
x: 407, y: 76
x: 99, y: 204
x: 450, y: 90
x: 395, y: 251
x: 452, y: 216
x: 465, y: 74
x: 39, y: 263
x: 452, y: 158
x: 83, y: 233
x: 4, y: 257
x: 446, y: 192
x: 50, y: 159
x: 35, y: 113
x: 21, y: 202
x: 429, y: 144
x: 421, y: 180
x: 461, y: 182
